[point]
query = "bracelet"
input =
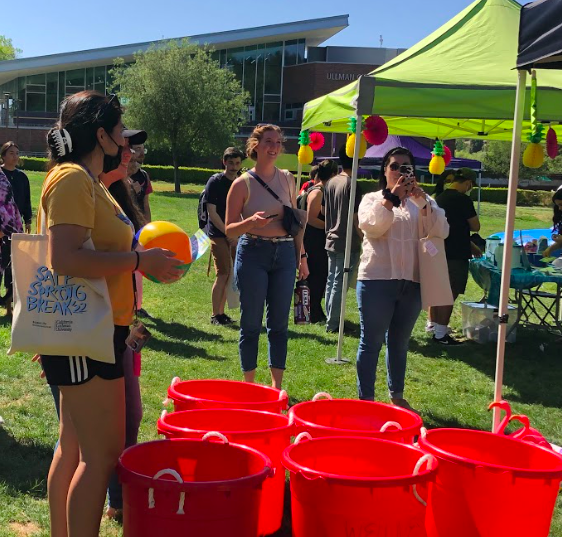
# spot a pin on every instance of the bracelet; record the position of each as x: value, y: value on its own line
x: 304, y: 256
x: 138, y: 262
x: 393, y: 198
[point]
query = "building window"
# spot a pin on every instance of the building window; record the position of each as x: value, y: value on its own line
x: 52, y: 92
x: 99, y: 79
x: 35, y: 102
x: 271, y: 112
x: 273, y: 61
x: 75, y: 81
x: 35, y: 93
x: 291, y: 52
x: 90, y: 78
x: 293, y: 112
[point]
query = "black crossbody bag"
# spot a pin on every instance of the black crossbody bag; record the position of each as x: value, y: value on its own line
x: 292, y: 223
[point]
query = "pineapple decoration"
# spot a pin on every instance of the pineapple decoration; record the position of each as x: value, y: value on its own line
x: 305, y: 156
x: 350, y: 144
x: 437, y: 162
x: 533, y: 157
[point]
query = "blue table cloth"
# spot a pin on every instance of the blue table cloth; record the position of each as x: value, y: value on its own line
x: 488, y: 277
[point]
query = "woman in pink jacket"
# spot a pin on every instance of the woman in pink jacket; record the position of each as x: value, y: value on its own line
x: 388, y: 288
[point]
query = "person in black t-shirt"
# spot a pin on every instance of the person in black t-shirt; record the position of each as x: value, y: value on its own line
x: 463, y: 220
x: 223, y: 249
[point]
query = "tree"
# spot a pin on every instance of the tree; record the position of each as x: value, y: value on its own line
x: 7, y: 50
x: 497, y: 157
x: 183, y: 99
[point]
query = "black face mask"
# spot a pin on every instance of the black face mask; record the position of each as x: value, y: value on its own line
x: 112, y: 162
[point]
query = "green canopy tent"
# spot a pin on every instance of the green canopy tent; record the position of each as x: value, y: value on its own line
x: 458, y: 82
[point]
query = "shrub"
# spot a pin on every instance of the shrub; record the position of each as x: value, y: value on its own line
x: 200, y: 176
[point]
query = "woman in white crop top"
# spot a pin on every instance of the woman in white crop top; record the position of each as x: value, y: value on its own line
x: 388, y: 289
x: 266, y: 257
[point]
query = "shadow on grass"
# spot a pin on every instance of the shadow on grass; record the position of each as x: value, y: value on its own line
x: 294, y: 334
x: 437, y: 421
x: 182, y: 349
x: 183, y: 195
x: 532, y: 372
x: 24, y: 467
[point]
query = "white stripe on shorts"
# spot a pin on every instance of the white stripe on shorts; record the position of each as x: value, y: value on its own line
x: 72, y: 374
x: 85, y: 367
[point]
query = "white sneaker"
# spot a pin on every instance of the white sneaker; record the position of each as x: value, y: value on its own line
x: 429, y: 327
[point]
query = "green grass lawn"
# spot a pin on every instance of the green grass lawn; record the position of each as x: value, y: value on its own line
x: 451, y: 387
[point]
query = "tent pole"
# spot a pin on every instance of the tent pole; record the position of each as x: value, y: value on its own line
x: 479, y: 190
x: 299, y: 176
x: 348, y: 240
x: 508, y: 238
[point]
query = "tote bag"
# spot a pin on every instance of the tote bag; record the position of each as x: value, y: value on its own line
x: 56, y: 314
x: 434, y: 273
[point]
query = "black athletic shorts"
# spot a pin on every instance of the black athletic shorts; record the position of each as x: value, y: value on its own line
x: 75, y: 370
x: 458, y: 275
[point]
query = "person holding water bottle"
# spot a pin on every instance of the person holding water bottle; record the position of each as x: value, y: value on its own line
x: 388, y: 288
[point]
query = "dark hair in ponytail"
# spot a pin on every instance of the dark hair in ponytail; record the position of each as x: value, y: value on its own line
x: 81, y: 115
x: 123, y: 195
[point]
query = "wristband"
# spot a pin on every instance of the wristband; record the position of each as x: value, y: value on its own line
x: 304, y: 256
x: 393, y: 198
x: 138, y: 262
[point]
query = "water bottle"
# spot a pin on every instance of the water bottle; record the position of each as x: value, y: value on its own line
x: 302, y: 303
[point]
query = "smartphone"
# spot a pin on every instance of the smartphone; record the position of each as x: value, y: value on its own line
x: 407, y: 171
x: 272, y: 215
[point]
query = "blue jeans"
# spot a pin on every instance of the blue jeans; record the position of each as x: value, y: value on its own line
x: 265, y: 273
x: 334, y: 287
x: 387, y: 309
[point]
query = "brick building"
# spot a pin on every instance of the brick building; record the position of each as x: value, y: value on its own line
x: 281, y: 66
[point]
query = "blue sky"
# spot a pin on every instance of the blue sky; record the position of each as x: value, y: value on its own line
x: 38, y: 29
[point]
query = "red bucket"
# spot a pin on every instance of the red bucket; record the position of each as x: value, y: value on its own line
x: 351, y: 417
x: 192, y: 488
x: 197, y: 394
x: 355, y: 486
x: 266, y: 432
x: 490, y: 485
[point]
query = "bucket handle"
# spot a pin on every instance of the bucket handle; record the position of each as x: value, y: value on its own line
x: 524, y: 420
x: 423, y: 460
x: 302, y: 436
x: 215, y: 434
x: 391, y: 424
x: 322, y: 395
x: 158, y: 475
x: 167, y: 401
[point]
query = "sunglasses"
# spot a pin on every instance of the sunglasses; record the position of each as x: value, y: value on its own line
x: 404, y: 168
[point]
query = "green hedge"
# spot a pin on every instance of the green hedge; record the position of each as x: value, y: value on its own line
x: 199, y: 176
x: 525, y: 198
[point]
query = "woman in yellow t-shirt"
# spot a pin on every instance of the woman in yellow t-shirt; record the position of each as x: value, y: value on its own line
x: 87, y: 141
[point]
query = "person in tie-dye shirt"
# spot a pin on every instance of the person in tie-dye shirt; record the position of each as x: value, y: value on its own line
x: 10, y: 222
